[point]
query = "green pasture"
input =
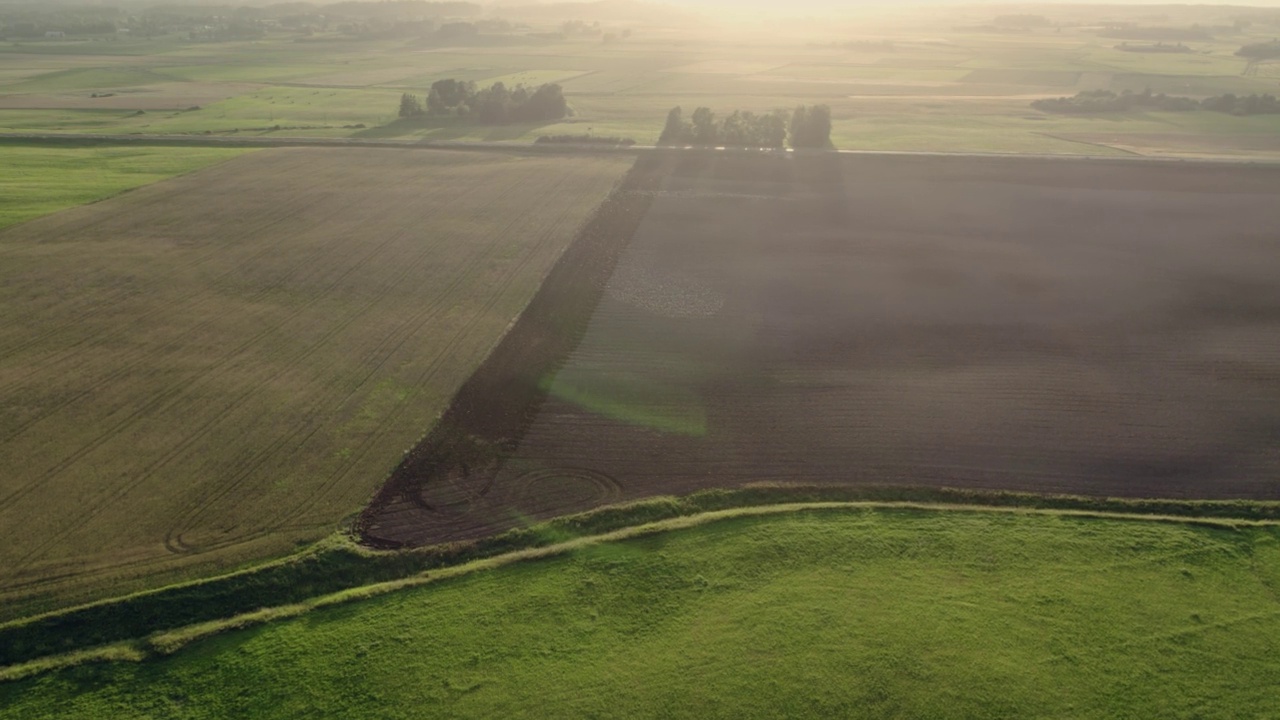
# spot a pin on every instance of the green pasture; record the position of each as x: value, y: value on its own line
x: 37, y: 180
x: 823, y: 613
x: 304, y: 111
x: 67, y: 121
x: 247, y: 72
x: 87, y: 79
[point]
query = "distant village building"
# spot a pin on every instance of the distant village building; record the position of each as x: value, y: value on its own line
x: 55, y: 34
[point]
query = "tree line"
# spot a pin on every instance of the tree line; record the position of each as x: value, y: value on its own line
x: 1260, y: 51
x: 494, y: 105
x: 1102, y: 101
x: 804, y: 127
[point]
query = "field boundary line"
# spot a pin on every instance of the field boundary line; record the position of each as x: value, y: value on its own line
x: 166, y: 642
x: 340, y: 562
x: 1122, y: 151
x: 83, y: 140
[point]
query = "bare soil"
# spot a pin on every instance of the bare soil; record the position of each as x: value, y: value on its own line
x: 1093, y: 327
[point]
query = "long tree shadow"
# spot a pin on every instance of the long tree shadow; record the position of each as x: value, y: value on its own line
x: 439, y: 492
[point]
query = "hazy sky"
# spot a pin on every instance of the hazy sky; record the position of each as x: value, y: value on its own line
x: 799, y: 6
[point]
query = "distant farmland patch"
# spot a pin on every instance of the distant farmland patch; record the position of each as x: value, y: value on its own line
x: 207, y: 370
x: 533, y: 78
x: 726, y: 67
x: 1039, y: 78
x: 162, y: 96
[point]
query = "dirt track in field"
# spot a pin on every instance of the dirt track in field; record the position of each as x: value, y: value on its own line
x: 1086, y: 327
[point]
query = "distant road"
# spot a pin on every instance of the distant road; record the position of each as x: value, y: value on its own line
x: 278, y: 141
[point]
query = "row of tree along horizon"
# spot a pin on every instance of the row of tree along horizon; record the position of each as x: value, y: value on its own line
x: 494, y: 105
x: 1106, y: 101
x: 804, y: 127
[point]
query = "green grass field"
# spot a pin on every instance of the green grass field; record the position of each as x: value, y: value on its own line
x: 834, y: 613
x: 317, y: 112
x: 38, y: 180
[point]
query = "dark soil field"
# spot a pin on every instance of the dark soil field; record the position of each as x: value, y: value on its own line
x: 1091, y: 327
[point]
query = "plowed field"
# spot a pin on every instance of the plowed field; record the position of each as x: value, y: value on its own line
x: 1045, y: 325
x: 208, y: 370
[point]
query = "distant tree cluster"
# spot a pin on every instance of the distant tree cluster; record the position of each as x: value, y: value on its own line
x: 1243, y: 104
x: 612, y: 141
x: 32, y: 20
x: 738, y: 129
x: 580, y: 27
x: 1260, y: 51
x: 811, y: 126
x: 457, y: 30
x: 494, y: 105
x: 807, y: 127
x: 1103, y: 101
x: 410, y: 106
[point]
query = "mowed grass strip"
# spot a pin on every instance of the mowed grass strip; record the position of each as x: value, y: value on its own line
x: 833, y: 613
x: 206, y: 371
x: 36, y: 180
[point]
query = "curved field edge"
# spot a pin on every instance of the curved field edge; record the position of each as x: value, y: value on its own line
x: 866, y: 612
x: 338, y: 570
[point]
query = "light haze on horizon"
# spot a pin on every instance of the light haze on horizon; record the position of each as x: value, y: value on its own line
x: 795, y: 7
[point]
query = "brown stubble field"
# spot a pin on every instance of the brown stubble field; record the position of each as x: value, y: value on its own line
x: 1100, y: 327
x: 206, y: 371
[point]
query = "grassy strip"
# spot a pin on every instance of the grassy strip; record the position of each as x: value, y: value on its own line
x: 38, y: 179
x: 338, y: 565
x: 874, y: 611
x: 170, y: 641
